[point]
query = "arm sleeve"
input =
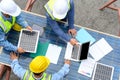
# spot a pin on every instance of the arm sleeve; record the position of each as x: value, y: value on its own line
x: 71, y: 15
x: 6, y: 45
x: 17, y: 69
x: 54, y: 25
x: 61, y: 73
x: 21, y: 21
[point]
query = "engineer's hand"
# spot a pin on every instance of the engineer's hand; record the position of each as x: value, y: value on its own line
x: 13, y: 56
x: 72, y: 32
x: 73, y: 41
x: 29, y: 28
x: 67, y: 62
x: 20, y: 50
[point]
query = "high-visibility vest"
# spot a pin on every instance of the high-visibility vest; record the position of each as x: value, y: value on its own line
x: 6, y: 25
x: 29, y: 76
x: 49, y: 8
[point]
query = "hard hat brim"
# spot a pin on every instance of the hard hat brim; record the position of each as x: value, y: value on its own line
x: 16, y: 13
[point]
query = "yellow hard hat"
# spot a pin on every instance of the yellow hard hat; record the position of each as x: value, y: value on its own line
x: 39, y: 64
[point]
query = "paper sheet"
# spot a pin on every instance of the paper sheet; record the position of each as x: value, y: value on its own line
x: 83, y: 36
x: 53, y: 53
x: 100, y: 49
x: 86, y: 67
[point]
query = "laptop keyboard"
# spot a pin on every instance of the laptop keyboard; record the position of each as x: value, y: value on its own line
x: 75, y: 52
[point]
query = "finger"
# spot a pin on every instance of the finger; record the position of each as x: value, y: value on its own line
x: 69, y: 32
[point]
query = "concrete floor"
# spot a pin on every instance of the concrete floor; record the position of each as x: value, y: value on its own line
x: 87, y: 14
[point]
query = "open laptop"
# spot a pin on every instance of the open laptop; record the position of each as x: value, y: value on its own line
x: 77, y: 52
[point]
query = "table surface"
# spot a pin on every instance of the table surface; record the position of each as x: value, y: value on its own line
x: 113, y: 58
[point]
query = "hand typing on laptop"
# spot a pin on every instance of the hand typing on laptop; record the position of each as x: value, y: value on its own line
x: 73, y: 41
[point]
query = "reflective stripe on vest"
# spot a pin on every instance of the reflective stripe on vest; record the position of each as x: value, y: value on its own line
x: 49, y: 8
x: 6, y: 25
x: 46, y: 76
x: 29, y: 76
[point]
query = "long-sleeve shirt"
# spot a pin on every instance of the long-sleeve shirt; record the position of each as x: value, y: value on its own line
x: 3, y: 42
x: 55, y: 26
x: 19, y: 71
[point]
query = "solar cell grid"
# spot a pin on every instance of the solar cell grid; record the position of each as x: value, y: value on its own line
x: 103, y: 72
x: 28, y: 40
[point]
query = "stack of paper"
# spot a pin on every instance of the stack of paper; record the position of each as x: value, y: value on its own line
x: 86, y: 67
x: 100, y: 49
x: 53, y: 53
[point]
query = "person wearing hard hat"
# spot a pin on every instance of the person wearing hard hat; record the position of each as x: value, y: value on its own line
x: 10, y: 13
x: 37, y: 69
x: 58, y: 10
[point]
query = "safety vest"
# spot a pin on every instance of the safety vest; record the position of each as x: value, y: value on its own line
x: 49, y: 8
x: 29, y: 76
x: 6, y: 25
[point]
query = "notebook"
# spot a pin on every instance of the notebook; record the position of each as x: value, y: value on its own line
x: 103, y: 72
x: 28, y: 40
x: 77, y: 52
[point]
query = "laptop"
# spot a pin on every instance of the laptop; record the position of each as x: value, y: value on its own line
x: 77, y: 52
x: 103, y: 72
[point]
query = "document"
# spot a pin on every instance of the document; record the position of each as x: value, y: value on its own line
x: 86, y: 67
x: 83, y: 36
x: 100, y: 49
x: 53, y: 53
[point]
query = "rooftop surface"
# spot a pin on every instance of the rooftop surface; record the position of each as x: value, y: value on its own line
x: 87, y: 14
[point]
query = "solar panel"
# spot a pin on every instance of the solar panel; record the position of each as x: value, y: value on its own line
x: 28, y: 40
x: 103, y: 72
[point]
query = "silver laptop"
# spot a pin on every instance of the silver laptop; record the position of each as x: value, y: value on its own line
x: 77, y: 52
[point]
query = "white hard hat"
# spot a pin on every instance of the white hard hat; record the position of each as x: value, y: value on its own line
x: 60, y: 9
x: 10, y: 7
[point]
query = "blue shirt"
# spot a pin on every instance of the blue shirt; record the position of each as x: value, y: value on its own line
x: 3, y: 42
x: 19, y: 71
x: 56, y: 27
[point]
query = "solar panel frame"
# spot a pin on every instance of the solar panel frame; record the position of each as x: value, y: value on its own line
x: 103, y: 72
x: 28, y: 40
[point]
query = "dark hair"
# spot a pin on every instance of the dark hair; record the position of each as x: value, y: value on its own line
x: 37, y: 74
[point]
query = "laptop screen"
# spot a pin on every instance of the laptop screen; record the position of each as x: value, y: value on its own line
x: 84, y: 51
